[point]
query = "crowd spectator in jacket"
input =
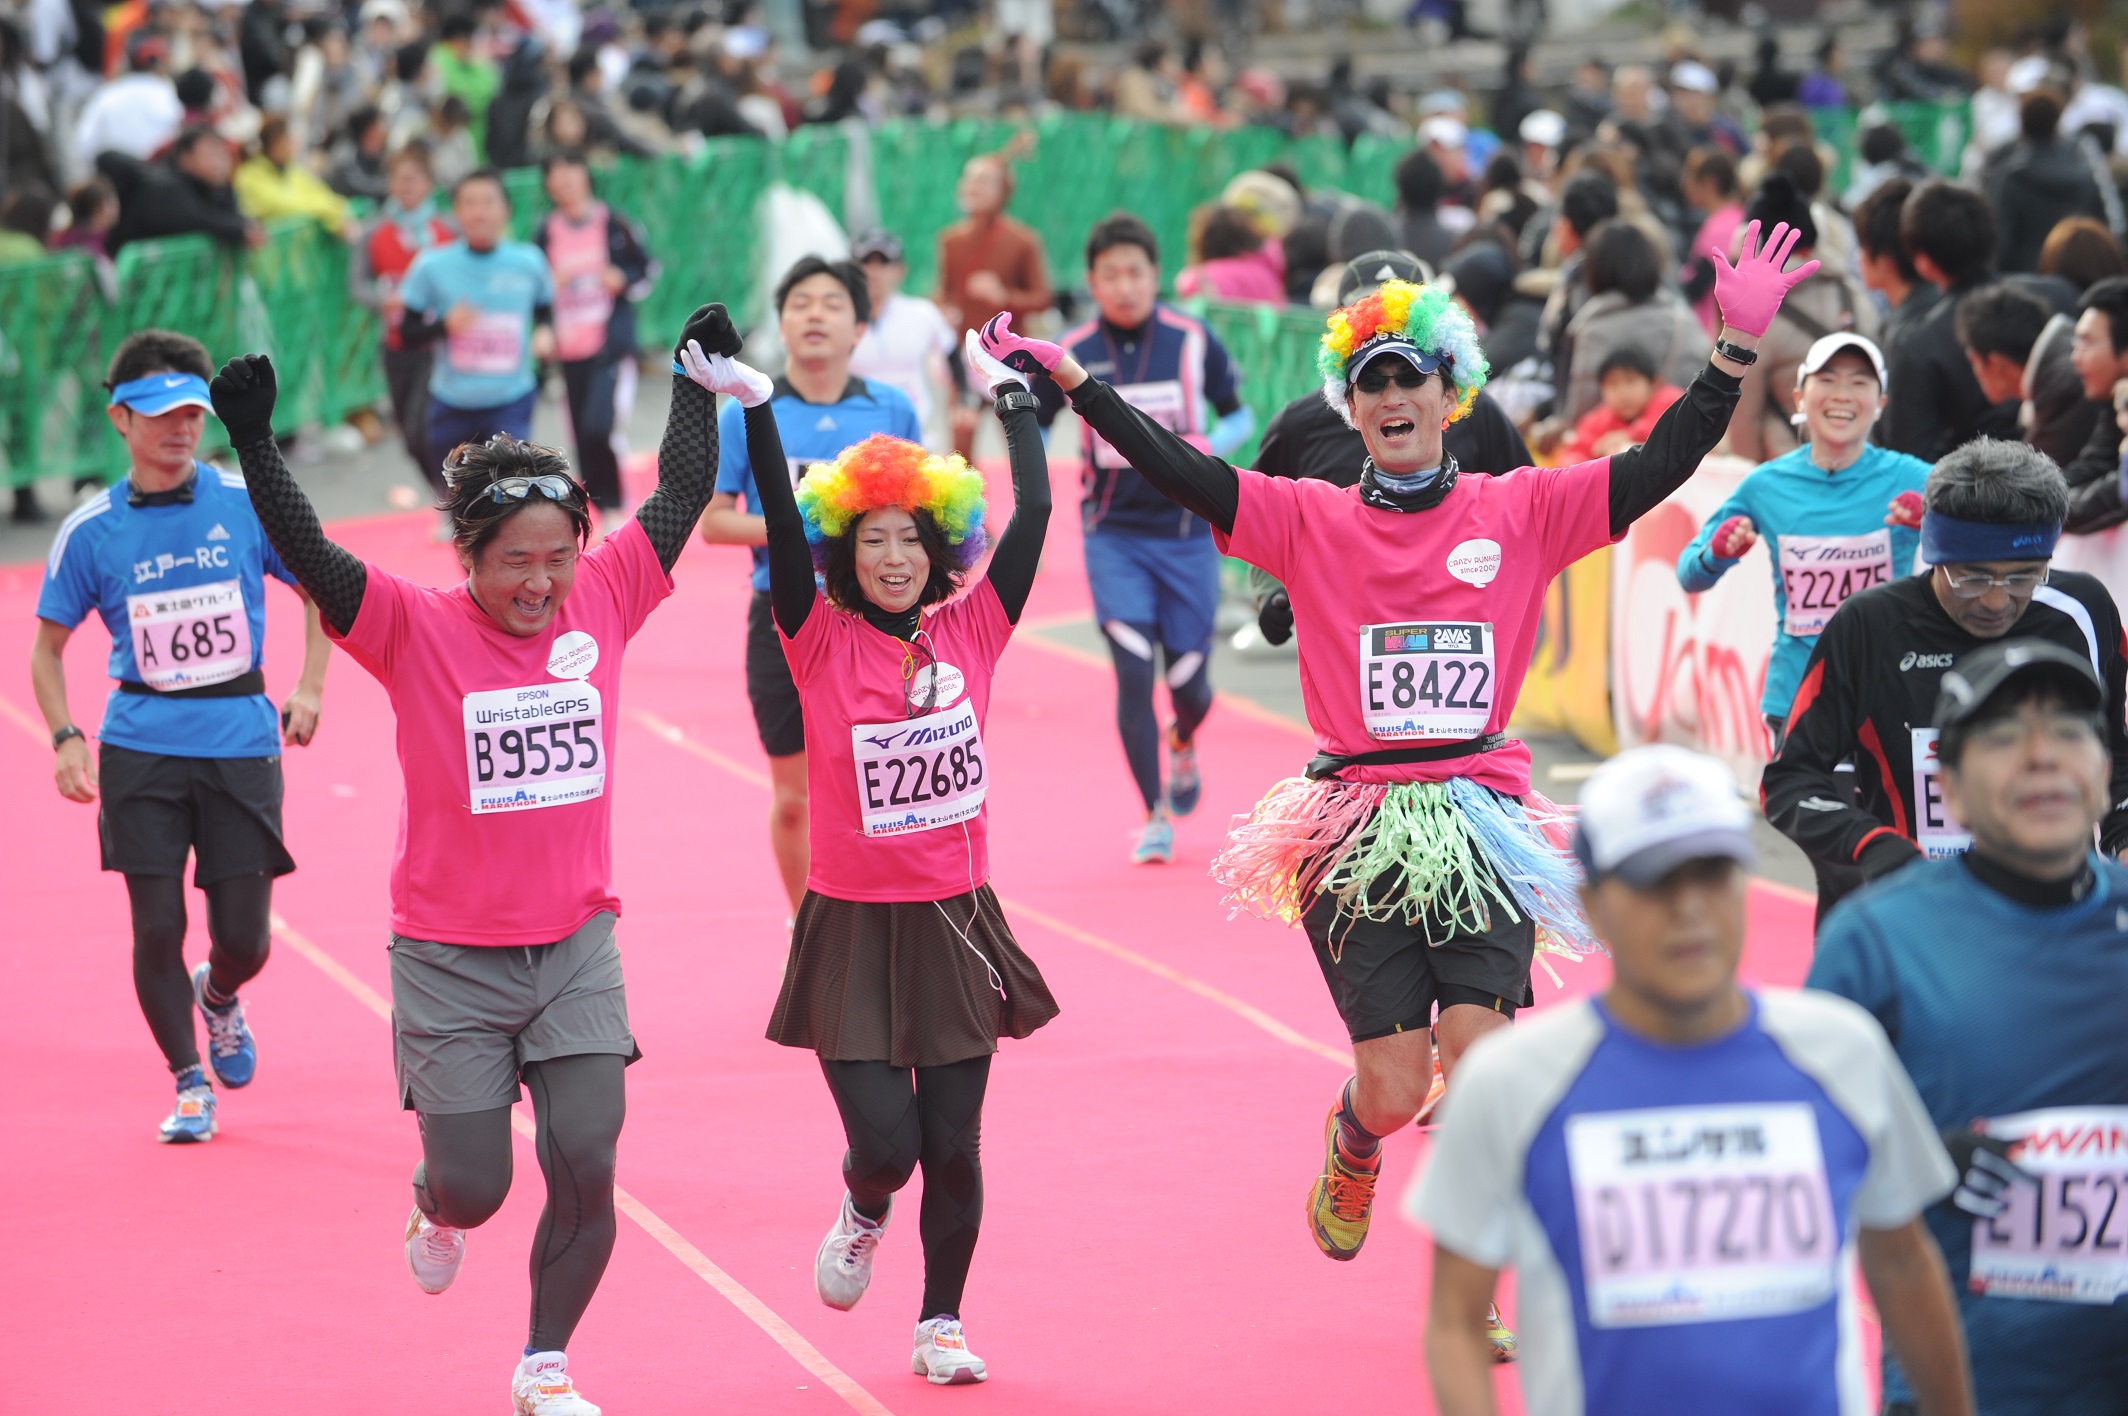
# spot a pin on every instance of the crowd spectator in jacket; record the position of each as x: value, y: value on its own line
x: 1631, y: 398
x: 465, y: 74
x: 1427, y: 229
x: 2100, y: 355
x: 1886, y: 268
x: 1998, y: 327
x: 2038, y: 181
x: 1628, y: 305
x: 187, y: 192
x: 407, y: 224
x: 137, y: 114
x: 1710, y: 188
x: 1235, y: 262
x: 1936, y: 403
x: 358, y: 162
x: 273, y: 183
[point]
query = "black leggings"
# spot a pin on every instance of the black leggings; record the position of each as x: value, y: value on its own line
x: 589, y: 385
x: 1137, y: 719
x: 896, y: 1121
x: 579, y: 1104
x: 239, y: 932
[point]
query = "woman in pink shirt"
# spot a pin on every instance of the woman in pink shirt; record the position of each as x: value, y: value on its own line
x: 902, y: 973
x: 1413, y: 852
x: 507, y: 692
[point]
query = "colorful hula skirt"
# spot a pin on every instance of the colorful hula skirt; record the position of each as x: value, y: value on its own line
x: 1442, y: 855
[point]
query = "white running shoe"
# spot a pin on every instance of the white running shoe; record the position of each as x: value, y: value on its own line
x: 435, y: 1252
x: 942, y: 1356
x: 842, y: 1270
x: 542, y: 1388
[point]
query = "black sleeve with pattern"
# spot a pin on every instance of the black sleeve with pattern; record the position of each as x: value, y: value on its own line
x: 333, y: 576
x: 687, y: 470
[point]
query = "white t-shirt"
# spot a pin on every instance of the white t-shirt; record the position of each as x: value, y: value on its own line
x: 900, y: 345
x: 136, y: 115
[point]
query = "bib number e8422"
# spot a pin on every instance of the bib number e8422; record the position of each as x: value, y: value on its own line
x: 532, y: 747
x: 920, y: 774
x: 1935, y: 831
x: 192, y: 637
x: 1426, y: 680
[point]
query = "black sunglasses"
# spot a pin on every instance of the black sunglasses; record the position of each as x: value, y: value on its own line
x: 1376, y: 377
x: 551, y: 486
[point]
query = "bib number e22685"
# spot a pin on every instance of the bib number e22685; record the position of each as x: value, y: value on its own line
x: 1934, y: 831
x: 920, y: 774
x: 536, y: 746
x: 1693, y: 1214
x: 192, y: 637
x: 1818, y: 573
x: 1426, y: 680
x: 2064, y: 1237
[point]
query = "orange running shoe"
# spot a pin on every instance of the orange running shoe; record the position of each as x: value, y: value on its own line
x: 1496, y: 1333
x: 1433, y: 1093
x: 1342, y: 1202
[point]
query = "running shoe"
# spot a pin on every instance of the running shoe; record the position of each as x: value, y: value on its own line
x: 1156, y: 843
x: 1342, y: 1202
x: 1497, y: 1334
x: 1184, y: 786
x: 842, y: 1270
x: 230, y: 1050
x: 942, y: 1357
x: 193, y: 1120
x: 434, y: 1252
x: 542, y: 1388
x: 1434, y: 1093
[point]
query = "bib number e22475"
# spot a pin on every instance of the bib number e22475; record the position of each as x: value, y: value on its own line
x: 192, y: 637
x: 1934, y: 830
x: 1693, y: 1214
x: 532, y: 747
x: 1818, y: 573
x: 1426, y: 680
x: 920, y: 774
x: 2064, y: 1236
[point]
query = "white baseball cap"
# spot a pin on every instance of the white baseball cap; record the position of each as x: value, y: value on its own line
x: 1444, y: 131
x: 1651, y: 809
x: 1544, y: 128
x: 1693, y: 75
x: 1820, y: 353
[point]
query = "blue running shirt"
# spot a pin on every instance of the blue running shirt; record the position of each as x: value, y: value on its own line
x: 491, y: 363
x: 182, y: 589
x: 1682, y: 1219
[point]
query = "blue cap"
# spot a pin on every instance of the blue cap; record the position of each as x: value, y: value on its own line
x: 1393, y: 344
x: 157, y: 394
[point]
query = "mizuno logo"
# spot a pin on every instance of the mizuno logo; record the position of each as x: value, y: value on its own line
x: 217, y: 534
x: 884, y: 742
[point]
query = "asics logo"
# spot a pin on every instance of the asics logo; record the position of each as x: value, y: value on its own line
x: 1911, y: 660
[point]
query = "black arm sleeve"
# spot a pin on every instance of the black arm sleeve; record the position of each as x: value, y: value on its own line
x: 418, y: 329
x: 1019, y: 550
x: 1195, y: 481
x: 333, y: 576
x: 687, y: 470
x: 791, y: 587
x: 1687, y: 431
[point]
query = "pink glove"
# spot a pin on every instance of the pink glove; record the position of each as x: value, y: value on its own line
x: 1905, y: 510
x: 1749, y: 292
x: 1733, y: 537
x: 1016, y: 351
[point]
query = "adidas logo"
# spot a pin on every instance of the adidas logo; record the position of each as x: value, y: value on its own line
x: 217, y: 534
x: 825, y: 425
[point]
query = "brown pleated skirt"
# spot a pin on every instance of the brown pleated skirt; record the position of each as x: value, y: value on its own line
x: 897, y: 983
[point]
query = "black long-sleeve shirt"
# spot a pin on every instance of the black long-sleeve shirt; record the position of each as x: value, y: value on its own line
x: 2094, y: 477
x: 791, y: 587
x: 335, y: 577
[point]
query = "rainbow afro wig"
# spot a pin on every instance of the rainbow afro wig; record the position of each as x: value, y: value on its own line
x: 883, y: 471
x: 1424, y: 314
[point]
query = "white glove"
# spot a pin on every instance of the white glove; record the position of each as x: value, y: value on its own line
x: 720, y: 374
x: 989, y: 372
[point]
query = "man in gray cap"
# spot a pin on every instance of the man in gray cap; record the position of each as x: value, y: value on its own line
x: 1998, y: 974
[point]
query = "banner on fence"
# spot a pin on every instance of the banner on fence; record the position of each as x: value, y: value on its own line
x: 1568, y: 688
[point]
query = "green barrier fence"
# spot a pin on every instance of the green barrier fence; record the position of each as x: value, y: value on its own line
x: 58, y: 321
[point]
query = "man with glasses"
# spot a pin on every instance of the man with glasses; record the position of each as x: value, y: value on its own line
x: 1868, y: 693
x: 1997, y: 976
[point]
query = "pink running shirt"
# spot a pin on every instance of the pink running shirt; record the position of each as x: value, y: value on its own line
x: 1483, y: 557
x: 850, y: 674
x: 473, y: 701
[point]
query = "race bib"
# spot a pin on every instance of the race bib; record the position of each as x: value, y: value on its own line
x: 1164, y: 403
x: 920, y: 774
x: 192, y: 637
x: 1818, y: 573
x: 582, y: 307
x: 1426, y: 680
x: 1934, y: 831
x: 533, y: 747
x: 2065, y: 1237
x: 1694, y: 1214
x: 493, y: 344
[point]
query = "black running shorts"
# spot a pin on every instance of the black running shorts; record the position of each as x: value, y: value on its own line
x: 224, y: 811
x: 1387, y: 978
x: 768, y: 683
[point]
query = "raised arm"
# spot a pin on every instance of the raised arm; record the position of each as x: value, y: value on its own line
x: 1019, y: 550
x: 243, y: 394
x: 687, y: 455
x: 792, y: 590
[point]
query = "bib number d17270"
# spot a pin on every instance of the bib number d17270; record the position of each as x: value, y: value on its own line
x: 1426, y: 680
x: 920, y: 774
x: 1693, y: 1214
x: 192, y: 637
x: 532, y: 747
x: 2064, y: 1236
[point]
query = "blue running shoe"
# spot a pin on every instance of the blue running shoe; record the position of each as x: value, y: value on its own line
x: 193, y: 1120
x: 229, y: 1046
x: 1183, y: 784
x: 1156, y: 843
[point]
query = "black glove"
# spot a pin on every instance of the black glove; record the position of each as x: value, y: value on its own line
x: 711, y: 327
x: 1275, y: 619
x: 1985, y: 1172
x: 243, y: 394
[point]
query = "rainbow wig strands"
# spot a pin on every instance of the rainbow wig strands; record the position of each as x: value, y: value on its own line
x: 883, y: 471
x: 1424, y: 314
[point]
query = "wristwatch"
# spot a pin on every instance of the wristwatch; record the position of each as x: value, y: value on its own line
x: 69, y: 731
x: 1736, y: 353
x: 1017, y: 398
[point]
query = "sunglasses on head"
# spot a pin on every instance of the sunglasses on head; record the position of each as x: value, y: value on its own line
x: 1382, y: 372
x: 550, y: 486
